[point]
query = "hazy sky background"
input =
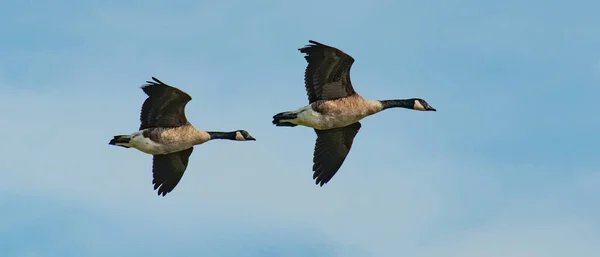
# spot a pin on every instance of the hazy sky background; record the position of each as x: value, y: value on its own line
x: 508, y: 166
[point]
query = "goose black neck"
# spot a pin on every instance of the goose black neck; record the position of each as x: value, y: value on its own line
x: 221, y: 135
x: 403, y: 103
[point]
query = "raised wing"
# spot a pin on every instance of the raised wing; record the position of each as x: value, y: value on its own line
x: 164, y: 107
x: 331, y: 149
x: 327, y: 75
x: 168, y: 169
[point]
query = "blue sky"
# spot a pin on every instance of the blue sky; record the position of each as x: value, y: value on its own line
x: 508, y: 166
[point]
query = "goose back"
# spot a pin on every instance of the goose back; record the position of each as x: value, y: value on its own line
x: 185, y: 135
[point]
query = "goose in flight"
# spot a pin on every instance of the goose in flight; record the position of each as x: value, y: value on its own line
x: 166, y: 134
x: 334, y: 108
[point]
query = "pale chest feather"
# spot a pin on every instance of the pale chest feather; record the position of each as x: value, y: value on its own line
x: 163, y: 141
x: 335, y: 114
x: 178, y: 135
x: 149, y: 146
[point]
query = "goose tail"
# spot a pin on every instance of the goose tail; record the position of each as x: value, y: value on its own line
x: 282, y: 119
x: 121, y: 140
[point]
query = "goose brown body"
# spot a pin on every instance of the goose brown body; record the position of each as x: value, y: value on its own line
x: 166, y: 133
x: 337, y: 113
x: 335, y: 109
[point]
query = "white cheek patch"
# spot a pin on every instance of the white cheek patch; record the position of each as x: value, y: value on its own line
x: 238, y: 136
x: 418, y: 106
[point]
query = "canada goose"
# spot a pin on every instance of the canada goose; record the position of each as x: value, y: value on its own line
x: 334, y: 108
x: 166, y: 133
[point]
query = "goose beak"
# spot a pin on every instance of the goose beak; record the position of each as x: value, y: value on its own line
x: 431, y: 109
x: 250, y: 138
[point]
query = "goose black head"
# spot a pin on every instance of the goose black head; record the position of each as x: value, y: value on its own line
x: 422, y: 105
x: 242, y: 135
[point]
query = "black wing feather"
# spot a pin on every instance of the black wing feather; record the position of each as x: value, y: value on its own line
x: 164, y: 107
x: 168, y: 169
x: 327, y: 75
x: 331, y: 149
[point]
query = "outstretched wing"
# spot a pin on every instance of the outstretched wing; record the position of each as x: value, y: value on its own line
x: 327, y: 75
x: 167, y: 170
x: 164, y: 107
x: 331, y: 149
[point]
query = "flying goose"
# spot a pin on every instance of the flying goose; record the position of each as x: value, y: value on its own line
x: 334, y: 108
x: 166, y: 133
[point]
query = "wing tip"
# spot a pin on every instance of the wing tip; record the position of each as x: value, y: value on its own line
x: 162, y: 190
x: 149, y: 83
x: 312, y: 45
x: 315, y: 47
x: 321, y: 181
x: 155, y: 82
x: 319, y: 177
x: 151, y: 87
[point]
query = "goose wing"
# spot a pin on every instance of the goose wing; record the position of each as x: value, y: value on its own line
x: 164, y: 107
x: 327, y: 75
x: 167, y: 170
x: 331, y: 149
